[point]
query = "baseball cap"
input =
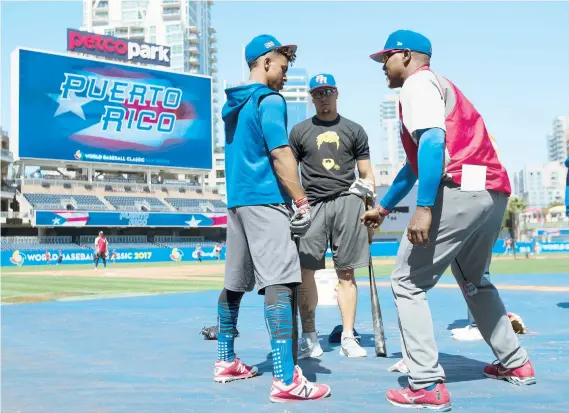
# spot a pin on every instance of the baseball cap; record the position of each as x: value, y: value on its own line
x: 100, y: 232
x: 263, y: 44
x: 404, y: 39
x: 322, y: 80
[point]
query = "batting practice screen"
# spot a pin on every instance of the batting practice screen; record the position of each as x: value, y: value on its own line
x: 84, y: 110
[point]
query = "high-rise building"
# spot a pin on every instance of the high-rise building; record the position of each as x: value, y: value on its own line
x: 183, y: 25
x: 391, y: 149
x: 391, y: 153
x: 558, y: 140
x: 295, y: 91
x: 298, y: 101
x: 541, y: 185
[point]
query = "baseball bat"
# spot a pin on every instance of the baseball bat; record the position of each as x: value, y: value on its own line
x: 377, y: 319
x: 295, y: 311
x: 378, y: 331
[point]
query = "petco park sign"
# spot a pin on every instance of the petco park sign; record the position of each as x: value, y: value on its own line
x: 116, y: 48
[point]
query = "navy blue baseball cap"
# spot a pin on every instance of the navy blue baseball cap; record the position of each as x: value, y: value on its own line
x: 263, y: 44
x: 322, y: 80
x: 404, y: 39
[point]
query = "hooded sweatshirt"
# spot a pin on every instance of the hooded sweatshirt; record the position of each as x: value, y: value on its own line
x: 255, y: 124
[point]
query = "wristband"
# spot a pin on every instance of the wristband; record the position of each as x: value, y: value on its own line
x: 382, y: 211
x: 300, y: 203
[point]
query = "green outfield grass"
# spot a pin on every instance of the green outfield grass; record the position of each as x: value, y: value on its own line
x: 19, y: 288
x: 69, y: 267
x: 549, y: 265
x: 26, y: 288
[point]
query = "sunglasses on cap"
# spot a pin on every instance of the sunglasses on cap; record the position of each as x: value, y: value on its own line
x: 323, y: 93
x: 387, y: 55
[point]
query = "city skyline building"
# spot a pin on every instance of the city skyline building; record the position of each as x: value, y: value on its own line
x: 183, y: 25
x: 541, y: 185
x: 558, y: 139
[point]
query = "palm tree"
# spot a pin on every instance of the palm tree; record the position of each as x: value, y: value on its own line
x: 516, y: 205
x: 511, y: 218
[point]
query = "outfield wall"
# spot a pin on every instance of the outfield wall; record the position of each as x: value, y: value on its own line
x: 152, y: 255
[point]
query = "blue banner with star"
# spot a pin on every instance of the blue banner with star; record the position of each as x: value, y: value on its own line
x: 85, y: 110
x: 128, y: 219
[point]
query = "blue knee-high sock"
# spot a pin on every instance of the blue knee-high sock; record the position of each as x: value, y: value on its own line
x: 227, y: 311
x: 278, y: 316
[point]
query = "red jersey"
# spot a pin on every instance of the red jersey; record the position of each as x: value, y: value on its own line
x: 102, y: 244
x: 467, y: 140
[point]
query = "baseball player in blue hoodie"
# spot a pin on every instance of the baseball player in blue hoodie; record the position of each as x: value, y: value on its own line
x: 262, y: 180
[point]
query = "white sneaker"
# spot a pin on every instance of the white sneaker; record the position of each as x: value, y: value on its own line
x: 400, y: 367
x: 467, y: 333
x: 309, y: 346
x: 351, y: 347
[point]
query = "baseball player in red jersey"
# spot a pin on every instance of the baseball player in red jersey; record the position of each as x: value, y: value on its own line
x: 101, y: 248
x: 462, y: 197
x: 47, y: 257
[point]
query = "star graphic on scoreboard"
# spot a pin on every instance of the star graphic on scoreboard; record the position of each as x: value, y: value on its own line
x: 72, y: 104
x: 56, y: 221
x: 193, y: 223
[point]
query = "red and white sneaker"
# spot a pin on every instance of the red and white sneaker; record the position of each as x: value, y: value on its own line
x: 437, y: 399
x: 299, y: 389
x: 522, y: 376
x: 226, y: 371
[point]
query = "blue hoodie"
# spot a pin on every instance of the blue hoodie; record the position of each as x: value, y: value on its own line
x: 255, y: 124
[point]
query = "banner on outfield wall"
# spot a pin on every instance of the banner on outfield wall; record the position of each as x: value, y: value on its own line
x: 78, y: 109
x: 181, y: 255
x: 85, y: 256
x: 400, y: 216
x: 128, y: 219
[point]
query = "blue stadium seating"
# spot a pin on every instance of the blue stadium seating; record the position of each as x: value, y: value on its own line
x: 55, y: 201
x: 119, y: 242
x: 26, y: 243
x: 127, y: 203
x: 132, y: 203
x: 197, y: 205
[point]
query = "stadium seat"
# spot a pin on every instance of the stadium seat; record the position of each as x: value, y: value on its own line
x: 136, y: 203
x: 197, y: 205
x: 27, y: 243
x: 58, y: 201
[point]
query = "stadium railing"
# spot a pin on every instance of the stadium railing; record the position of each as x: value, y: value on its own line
x: 176, y: 238
x: 117, y: 239
x: 203, y: 244
x: 134, y: 186
x: 37, y: 243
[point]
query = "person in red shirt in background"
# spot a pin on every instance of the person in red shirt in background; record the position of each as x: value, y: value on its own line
x: 101, y: 248
x: 114, y: 257
x: 47, y: 257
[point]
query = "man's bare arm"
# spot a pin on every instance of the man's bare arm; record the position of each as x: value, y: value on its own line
x: 366, y: 171
x: 286, y: 168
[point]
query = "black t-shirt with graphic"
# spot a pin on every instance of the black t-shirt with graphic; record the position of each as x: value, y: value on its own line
x: 327, y: 152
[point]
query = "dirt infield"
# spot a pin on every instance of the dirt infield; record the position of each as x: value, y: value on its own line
x: 196, y: 272
x: 214, y: 273
x: 182, y: 272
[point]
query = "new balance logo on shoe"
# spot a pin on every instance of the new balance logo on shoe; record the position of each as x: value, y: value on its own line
x: 307, y: 392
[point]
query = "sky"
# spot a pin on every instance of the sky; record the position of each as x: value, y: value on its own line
x: 510, y: 59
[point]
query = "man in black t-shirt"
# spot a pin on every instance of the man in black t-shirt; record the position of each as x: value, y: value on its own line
x: 328, y: 147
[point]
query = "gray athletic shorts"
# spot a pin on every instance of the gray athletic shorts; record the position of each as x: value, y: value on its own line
x: 336, y: 223
x: 259, y: 248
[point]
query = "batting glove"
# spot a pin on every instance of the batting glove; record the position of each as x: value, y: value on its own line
x: 362, y: 188
x: 300, y: 221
